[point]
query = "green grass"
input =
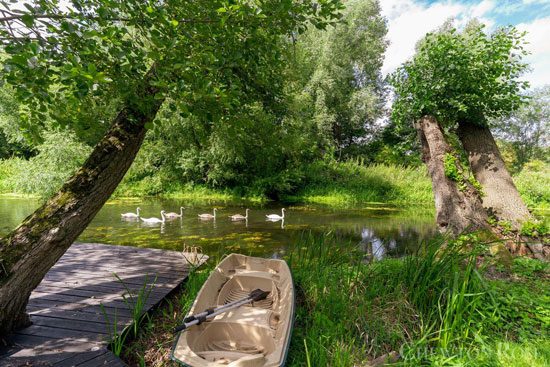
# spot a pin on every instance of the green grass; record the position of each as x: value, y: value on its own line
x: 182, y: 191
x: 533, y: 183
x: 321, y: 182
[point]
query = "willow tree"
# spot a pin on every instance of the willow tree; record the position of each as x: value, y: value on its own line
x: 455, y: 84
x: 203, y: 58
x: 337, y: 80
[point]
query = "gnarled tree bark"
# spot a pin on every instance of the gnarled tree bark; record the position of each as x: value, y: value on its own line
x: 502, y: 197
x: 456, y: 210
x: 27, y: 253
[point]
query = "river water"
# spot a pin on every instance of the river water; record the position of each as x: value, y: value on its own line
x: 379, y: 230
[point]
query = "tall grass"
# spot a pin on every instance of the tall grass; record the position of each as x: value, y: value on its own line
x: 328, y: 287
x: 434, y: 306
x: 353, y: 182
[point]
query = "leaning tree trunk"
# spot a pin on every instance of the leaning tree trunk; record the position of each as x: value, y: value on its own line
x: 27, y: 253
x: 456, y: 209
x: 502, y: 197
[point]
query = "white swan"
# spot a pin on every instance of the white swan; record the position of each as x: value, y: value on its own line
x: 155, y: 220
x: 208, y: 216
x: 131, y: 215
x: 276, y: 216
x: 175, y: 215
x: 239, y: 216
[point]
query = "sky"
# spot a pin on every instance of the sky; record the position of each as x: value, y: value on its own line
x: 410, y: 20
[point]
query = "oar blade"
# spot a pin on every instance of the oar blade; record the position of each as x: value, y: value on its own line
x: 258, y: 295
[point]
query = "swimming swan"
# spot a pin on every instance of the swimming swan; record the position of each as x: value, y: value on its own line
x: 155, y: 220
x: 276, y: 216
x: 175, y: 215
x: 131, y: 215
x: 208, y: 216
x: 239, y: 216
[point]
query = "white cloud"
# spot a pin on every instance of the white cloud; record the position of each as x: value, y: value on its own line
x: 408, y: 22
x: 536, y: 1
x: 537, y: 36
x: 483, y: 8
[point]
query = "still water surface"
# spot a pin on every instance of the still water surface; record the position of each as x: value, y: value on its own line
x: 378, y: 229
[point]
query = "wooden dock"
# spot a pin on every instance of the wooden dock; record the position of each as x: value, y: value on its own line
x: 69, y: 327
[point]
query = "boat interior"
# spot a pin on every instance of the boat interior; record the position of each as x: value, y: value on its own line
x: 252, y: 335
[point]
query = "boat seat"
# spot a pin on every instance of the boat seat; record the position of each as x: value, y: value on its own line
x: 252, y: 316
x: 254, y: 273
x: 224, y: 342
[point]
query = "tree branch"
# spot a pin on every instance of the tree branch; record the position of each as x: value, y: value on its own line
x: 11, y: 18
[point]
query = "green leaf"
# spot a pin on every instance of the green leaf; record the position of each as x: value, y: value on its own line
x: 35, y: 48
x: 28, y: 20
x: 149, y: 9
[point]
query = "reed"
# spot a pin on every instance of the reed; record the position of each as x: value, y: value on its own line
x: 135, y: 302
x: 116, y: 341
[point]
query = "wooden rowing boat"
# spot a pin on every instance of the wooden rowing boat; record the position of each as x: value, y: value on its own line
x: 254, y: 335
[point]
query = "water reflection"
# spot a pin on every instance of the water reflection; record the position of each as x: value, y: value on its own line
x: 276, y: 220
x: 378, y: 230
x: 374, y: 247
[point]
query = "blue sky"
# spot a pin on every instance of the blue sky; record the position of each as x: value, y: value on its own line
x: 509, y: 11
x: 410, y: 20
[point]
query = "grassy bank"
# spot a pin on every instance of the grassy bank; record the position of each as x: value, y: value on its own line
x: 434, y: 308
x: 184, y: 191
x: 353, y: 182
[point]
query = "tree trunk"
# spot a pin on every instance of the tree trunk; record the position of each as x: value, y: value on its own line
x: 27, y: 253
x: 502, y: 197
x: 456, y: 209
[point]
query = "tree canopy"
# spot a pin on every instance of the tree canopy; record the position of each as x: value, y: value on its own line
x: 337, y: 77
x: 462, y: 77
x: 211, y: 57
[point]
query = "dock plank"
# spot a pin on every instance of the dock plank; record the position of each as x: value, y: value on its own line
x: 69, y: 326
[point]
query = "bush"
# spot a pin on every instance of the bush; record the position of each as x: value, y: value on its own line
x: 59, y: 156
x: 534, y: 229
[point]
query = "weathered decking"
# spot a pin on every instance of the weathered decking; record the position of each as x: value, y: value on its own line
x: 69, y: 326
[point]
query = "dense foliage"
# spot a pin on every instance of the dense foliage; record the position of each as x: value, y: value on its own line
x: 292, y: 138
x: 336, y: 80
x: 222, y: 125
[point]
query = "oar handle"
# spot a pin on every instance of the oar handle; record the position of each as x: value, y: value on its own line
x: 206, y: 312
